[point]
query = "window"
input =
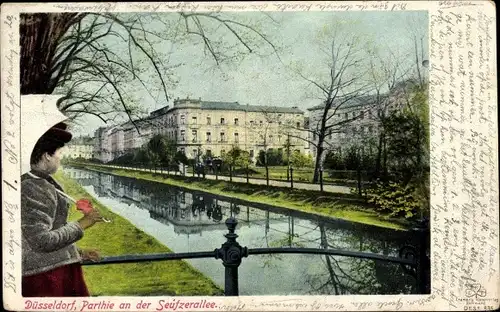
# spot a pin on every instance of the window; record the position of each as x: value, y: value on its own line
x: 209, y: 137
x: 195, y: 135
x: 195, y: 153
x: 183, y: 119
x: 270, y: 138
x: 222, y: 137
x: 279, y: 138
x: 251, y: 122
x: 261, y: 122
x: 183, y: 135
x: 235, y: 121
x: 194, y: 120
x: 346, y: 116
x: 209, y: 153
x: 236, y: 137
x: 209, y: 121
x: 222, y: 121
x: 251, y: 153
x: 298, y: 124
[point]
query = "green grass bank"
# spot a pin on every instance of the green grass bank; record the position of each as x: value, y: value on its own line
x: 120, y: 237
x: 343, y: 206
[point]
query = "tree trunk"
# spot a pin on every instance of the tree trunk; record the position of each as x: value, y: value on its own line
x: 358, y: 171
x: 359, y: 180
x: 40, y: 34
x: 319, y: 154
x: 385, y: 159
x: 267, y: 167
x: 378, y: 162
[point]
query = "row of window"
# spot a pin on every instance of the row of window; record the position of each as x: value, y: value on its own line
x: 352, y: 130
x: 361, y: 115
x: 223, y: 137
x: 236, y: 122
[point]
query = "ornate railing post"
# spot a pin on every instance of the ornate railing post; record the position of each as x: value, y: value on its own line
x: 420, y: 254
x: 231, y: 254
x: 423, y: 261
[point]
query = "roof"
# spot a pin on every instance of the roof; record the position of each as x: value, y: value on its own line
x: 353, y: 102
x: 248, y: 108
x: 82, y: 141
x: 159, y: 112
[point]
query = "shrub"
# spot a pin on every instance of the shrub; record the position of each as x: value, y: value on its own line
x: 395, y: 199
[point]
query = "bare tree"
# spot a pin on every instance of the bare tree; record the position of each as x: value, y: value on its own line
x: 97, y: 60
x: 418, y: 36
x: 342, y: 83
x: 385, y: 75
x: 263, y: 132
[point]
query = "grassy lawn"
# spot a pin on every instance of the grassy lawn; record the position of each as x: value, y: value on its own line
x: 120, y: 237
x: 342, y: 206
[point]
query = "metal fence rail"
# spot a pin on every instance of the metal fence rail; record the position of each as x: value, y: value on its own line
x: 414, y: 261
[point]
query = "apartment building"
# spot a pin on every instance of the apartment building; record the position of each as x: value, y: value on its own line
x: 356, y: 121
x: 210, y: 128
x: 81, y: 147
x: 213, y: 128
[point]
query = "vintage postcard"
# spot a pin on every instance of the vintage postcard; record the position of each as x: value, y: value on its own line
x: 250, y: 156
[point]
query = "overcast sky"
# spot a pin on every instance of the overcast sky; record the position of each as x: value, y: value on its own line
x: 267, y: 81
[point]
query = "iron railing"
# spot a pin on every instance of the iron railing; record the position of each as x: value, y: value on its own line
x: 415, y: 261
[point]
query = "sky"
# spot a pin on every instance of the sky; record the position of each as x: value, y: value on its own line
x: 267, y: 80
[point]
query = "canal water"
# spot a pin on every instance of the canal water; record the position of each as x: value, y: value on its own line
x: 189, y: 221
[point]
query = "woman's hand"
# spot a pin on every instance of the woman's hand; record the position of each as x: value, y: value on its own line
x: 90, y: 254
x: 90, y: 219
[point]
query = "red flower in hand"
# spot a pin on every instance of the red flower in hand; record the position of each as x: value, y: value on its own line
x: 84, y: 205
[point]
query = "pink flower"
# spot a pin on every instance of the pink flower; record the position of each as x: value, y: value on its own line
x: 84, y: 205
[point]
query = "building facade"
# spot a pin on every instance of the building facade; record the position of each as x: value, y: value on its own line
x: 213, y: 128
x: 82, y: 147
x: 210, y: 128
x: 357, y: 121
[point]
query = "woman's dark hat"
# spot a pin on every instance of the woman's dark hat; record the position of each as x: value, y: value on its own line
x: 58, y: 133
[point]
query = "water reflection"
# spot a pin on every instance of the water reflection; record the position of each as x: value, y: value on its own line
x: 188, y: 221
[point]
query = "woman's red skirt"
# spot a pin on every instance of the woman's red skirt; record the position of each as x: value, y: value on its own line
x: 64, y: 281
